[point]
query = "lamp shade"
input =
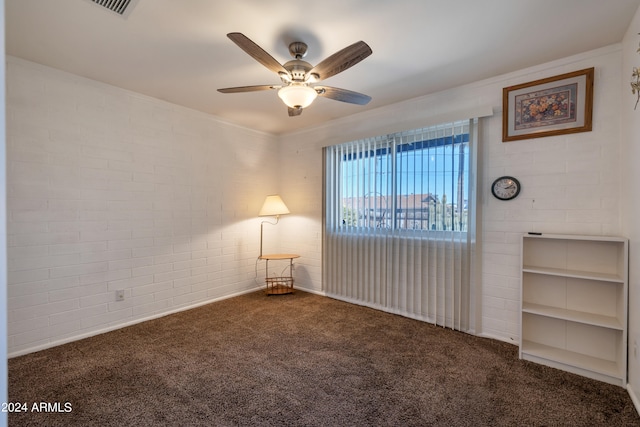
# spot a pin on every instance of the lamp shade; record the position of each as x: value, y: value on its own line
x: 273, y: 206
x: 297, y: 96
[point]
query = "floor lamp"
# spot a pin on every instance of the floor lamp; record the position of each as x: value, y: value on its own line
x: 272, y: 206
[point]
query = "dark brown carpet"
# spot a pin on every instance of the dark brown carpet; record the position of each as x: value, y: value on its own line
x: 302, y: 360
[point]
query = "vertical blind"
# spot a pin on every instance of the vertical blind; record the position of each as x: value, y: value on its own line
x: 399, y: 225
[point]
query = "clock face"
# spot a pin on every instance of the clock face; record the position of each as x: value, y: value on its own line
x: 505, y: 188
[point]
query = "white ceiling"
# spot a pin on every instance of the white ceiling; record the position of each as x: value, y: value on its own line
x: 177, y: 50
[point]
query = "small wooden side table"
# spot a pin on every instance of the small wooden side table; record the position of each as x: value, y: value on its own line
x: 281, y: 284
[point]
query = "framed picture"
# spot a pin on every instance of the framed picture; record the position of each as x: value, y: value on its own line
x: 546, y: 107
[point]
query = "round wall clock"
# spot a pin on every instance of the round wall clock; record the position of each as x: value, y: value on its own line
x: 505, y: 188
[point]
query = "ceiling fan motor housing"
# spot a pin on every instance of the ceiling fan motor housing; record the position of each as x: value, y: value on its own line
x: 298, y: 69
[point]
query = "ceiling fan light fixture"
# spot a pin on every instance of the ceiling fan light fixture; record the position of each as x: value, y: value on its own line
x: 297, y: 96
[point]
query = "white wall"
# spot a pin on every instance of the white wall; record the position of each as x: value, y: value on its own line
x: 112, y: 190
x: 108, y: 190
x: 629, y: 190
x: 3, y: 229
x: 567, y: 180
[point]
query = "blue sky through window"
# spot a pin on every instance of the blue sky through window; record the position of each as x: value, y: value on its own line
x: 425, y: 167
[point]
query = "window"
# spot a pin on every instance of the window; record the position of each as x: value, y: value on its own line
x: 414, y: 180
x: 399, y: 230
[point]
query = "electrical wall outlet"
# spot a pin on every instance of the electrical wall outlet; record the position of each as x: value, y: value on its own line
x: 120, y: 295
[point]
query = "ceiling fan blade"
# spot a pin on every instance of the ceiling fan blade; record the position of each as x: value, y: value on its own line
x: 247, y: 88
x: 341, y: 60
x: 257, y: 53
x: 342, y: 95
x: 295, y: 111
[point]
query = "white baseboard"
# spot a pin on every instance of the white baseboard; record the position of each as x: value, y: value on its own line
x: 312, y: 291
x: 497, y: 338
x: 125, y: 324
x: 634, y: 397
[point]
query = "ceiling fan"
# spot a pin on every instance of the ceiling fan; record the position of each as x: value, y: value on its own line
x: 298, y: 77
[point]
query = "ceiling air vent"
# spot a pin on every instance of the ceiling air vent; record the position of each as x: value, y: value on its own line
x: 117, y: 6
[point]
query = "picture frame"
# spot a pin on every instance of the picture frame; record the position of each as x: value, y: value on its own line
x: 552, y: 106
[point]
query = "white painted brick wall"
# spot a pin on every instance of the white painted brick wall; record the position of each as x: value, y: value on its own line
x: 110, y: 190
x: 569, y: 182
x: 630, y: 153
